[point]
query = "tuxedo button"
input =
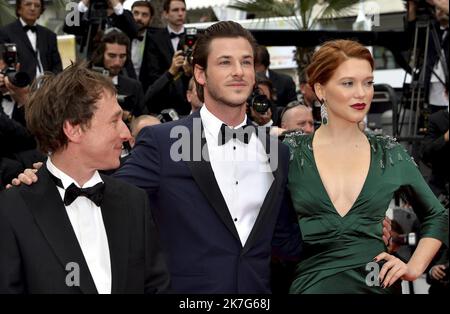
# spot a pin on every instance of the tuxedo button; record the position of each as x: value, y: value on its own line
x: 235, y: 219
x: 234, y: 147
x: 237, y: 183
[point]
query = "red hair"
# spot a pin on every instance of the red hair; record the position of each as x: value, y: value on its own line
x: 331, y: 55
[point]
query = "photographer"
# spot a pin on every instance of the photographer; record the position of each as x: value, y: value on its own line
x: 436, y: 71
x: 111, y: 55
x: 37, y: 48
x: 261, y: 106
x: 100, y: 15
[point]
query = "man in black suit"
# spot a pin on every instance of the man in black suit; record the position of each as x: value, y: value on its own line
x: 111, y: 55
x: 143, y: 13
x: 37, y: 47
x: 165, y: 52
x: 283, y: 84
x: 76, y: 231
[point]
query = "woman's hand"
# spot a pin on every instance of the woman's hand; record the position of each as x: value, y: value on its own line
x: 393, y: 269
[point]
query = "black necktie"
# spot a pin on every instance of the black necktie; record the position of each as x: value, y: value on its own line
x: 27, y: 28
x: 94, y: 193
x: 243, y: 134
x: 173, y: 35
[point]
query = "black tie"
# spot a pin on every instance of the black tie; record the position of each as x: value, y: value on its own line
x: 27, y: 28
x: 94, y: 193
x: 173, y: 35
x: 243, y: 134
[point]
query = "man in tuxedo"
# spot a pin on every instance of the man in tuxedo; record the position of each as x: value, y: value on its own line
x: 76, y: 231
x: 143, y: 13
x: 37, y: 47
x: 218, y: 210
x: 111, y: 55
x: 166, y: 82
x: 283, y: 84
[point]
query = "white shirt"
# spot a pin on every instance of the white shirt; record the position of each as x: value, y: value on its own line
x: 175, y: 40
x: 87, y: 222
x: 8, y: 107
x: 242, y: 172
x: 33, y: 40
x: 137, y: 52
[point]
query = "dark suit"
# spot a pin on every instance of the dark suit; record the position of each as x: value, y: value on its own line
x: 164, y: 92
x: 46, y: 44
x: 284, y: 87
x: 132, y: 88
x: 436, y: 151
x: 204, y: 251
x: 37, y: 241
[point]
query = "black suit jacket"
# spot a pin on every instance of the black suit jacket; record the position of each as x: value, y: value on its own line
x: 46, y: 45
x: 37, y: 241
x: 436, y: 151
x: 284, y: 87
x: 132, y: 88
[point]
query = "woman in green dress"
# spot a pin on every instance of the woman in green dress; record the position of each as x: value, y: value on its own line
x: 342, y: 181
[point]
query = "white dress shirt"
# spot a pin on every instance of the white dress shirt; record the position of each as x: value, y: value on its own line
x: 33, y: 40
x: 242, y: 172
x: 137, y: 53
x: 87, y: 222
x: 175, y: 40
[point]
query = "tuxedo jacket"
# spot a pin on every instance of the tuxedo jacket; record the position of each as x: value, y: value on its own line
x: 38, y: 243
x: 436, y: 151
x: 202, y: 245
x: 284, y: 87
x: 46, y: 44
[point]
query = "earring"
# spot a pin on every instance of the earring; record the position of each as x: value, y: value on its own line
x: 324, y: 112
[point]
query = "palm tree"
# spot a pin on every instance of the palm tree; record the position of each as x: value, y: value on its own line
x: 7, y: 13
x: 301, y: 15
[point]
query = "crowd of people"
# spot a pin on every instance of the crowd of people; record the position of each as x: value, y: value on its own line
x: 156, y: 169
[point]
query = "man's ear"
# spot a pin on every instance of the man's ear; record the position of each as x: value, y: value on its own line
x: 200, y: 75
x: 72, y: 131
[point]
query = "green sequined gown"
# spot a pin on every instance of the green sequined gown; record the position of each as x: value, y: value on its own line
x: 338, y: 249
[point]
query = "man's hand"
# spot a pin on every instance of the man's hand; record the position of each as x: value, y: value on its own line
x: 440, y: 4
x: 446, y: 136
x: 387, y: 227
x: 438, y: 272
x: 27, y: 177
x: 177, y: 63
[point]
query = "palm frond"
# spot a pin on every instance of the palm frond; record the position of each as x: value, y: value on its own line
x: 337, y: 8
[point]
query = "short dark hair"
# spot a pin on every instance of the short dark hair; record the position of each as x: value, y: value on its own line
x: 166, y: 4
x: 19, y: 4
x: 70, y: 95
x: 262, y: 56
x: 114, y: 36
x: 143, y: 3
x: 262, y: 79
x: 224, y: 29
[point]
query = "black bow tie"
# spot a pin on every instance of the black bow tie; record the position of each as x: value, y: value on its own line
x: 27, y: 28
x: 94, y: 193
x: 173, y: 35
x: 6, y: 97
x: 243, y: 134
x: 140, y: 38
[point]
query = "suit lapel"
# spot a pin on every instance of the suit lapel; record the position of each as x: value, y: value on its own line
x: 116, y: 225
x: 45, y: 203
x: 21, y: 35
x: 204, y: 177
x: 167, y: 46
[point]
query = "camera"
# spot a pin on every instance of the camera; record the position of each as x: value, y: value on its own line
x: 259, y: 102
x: 422, y: 7
x: 189, y: 41
x: 9, y: 56
x: 97, y: 11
